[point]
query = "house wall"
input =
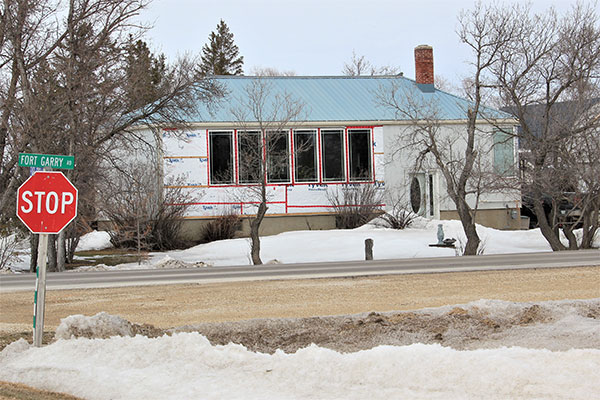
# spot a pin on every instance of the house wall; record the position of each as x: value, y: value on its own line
x: 499, y: 209
x: 293, y: 205
x: 186, y: 163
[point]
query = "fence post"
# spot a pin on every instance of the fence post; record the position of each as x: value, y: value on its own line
x: 368, y: 249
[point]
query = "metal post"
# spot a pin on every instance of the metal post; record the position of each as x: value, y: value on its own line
x: 40, y: 291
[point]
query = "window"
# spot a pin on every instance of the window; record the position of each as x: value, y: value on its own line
x: 278, y: 157
x: 431, y: 204
x: 504, y: 158
x: 221, y: 157
x: 360, y: 154
x: 332, y: 150
x: 305, y: 156
x: 416, y: 197
x: 249, y: 156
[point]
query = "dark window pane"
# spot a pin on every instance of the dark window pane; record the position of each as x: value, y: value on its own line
x: 249, y: 156
x: 278, y: 160
x: 415, y: 195
x: 360, y: 156
x: 221, y: 157
x: 305, y: 152
x: 431, y: 210
x: 333, y: 160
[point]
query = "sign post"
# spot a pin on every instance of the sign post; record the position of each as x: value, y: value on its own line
x: 46, y: 203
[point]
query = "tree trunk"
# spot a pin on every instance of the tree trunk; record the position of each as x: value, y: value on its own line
x: 52, y: 253
x: 468, y: 224
x: 550, y: 234
x: 61, y: 252
x: 254, y: 233
x: 568, y: 231
x: 34, y: 241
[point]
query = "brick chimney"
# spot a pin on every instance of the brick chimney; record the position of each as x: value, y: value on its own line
x: 424, y: 64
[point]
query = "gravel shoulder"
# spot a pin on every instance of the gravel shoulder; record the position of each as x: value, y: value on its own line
x: 178, y: 305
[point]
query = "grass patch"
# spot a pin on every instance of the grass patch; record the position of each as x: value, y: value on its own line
x: 110, y: 257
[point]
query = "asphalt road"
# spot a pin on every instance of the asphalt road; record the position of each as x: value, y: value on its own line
x: 102, y: 279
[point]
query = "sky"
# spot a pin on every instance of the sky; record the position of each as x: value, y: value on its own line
x: 316, y: 37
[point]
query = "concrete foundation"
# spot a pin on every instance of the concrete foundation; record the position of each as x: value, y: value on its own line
x: 271, y: 225
x: 506, y: 219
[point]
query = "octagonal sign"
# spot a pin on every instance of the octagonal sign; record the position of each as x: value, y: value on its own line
x: 47, y: 202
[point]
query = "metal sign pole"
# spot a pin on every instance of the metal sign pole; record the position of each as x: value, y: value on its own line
x: 40, y: 292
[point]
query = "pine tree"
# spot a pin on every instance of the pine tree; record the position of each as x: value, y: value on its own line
x: 145, y: 72
x: 221, y: 56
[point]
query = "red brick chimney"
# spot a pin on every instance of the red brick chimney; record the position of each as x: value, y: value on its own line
x: 424, y: 64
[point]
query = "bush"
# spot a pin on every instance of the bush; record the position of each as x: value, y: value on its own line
x: 399, y: 217
x: 143, y: 214
x: 355, y: 205
x: 221, y: 228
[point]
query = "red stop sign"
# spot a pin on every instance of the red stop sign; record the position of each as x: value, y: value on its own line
x: 47, y: 202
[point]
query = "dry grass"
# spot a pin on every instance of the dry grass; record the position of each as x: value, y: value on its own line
x: 15, y: 391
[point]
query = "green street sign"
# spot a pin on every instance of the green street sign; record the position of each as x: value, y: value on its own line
x: 46, y: 160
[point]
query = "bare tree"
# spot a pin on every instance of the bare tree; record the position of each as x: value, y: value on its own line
x: 270, y: 71
x: 462, y: 155
x: 67, y: 80
x: 359, y: 65
x: 548, y: 73
x: 264, y: 119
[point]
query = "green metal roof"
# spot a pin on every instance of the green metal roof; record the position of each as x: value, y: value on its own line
x: 340, y: 98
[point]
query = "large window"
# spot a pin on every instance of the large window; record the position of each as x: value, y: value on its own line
x: 305, y: 155
x: 221, y: 157
x: 504, y: 154
x: 359, y: 148
x: 249, y: 156
x: 332, y: 150
x: 278, y: 157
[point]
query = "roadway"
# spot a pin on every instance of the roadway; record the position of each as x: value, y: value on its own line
x: 143, y: 277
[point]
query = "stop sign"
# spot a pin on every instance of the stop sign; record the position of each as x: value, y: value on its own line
x: 47, y: 202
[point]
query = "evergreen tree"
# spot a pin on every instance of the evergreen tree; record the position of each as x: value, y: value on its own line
x: 145, y: 73
x: 220, y: 56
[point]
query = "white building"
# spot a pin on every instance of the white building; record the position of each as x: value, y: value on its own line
x: 347, y: 138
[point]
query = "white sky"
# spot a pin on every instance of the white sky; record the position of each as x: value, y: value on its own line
x: 316, y: 37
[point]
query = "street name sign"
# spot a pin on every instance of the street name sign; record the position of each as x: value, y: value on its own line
x: 47, y: 202
x: 46, y: 161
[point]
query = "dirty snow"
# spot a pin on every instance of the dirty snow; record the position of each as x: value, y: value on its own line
x: 187, y: 365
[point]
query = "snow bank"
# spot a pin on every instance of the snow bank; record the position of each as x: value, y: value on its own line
x: 348, y: 245
x: 101, y: 325
x: 95, y: 240
x: 186, y: 365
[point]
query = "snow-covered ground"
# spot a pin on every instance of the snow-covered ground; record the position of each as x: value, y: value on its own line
x: 328, y: 245
x: 187, y: 366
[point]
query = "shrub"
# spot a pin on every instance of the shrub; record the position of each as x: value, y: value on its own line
x: 143, y: 214
x: 355, y: 205
x: 399, y: 216
x: 221, y: 228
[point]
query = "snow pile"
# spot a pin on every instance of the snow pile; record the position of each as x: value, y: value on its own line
x: 95, y: 240
x: 348, y: 245
x: 101, y: 325
x: 168, y: 262
x: 186, y: 365
x: 554, y: 325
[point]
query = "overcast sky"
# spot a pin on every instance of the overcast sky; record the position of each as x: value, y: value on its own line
x: 316, y: 37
